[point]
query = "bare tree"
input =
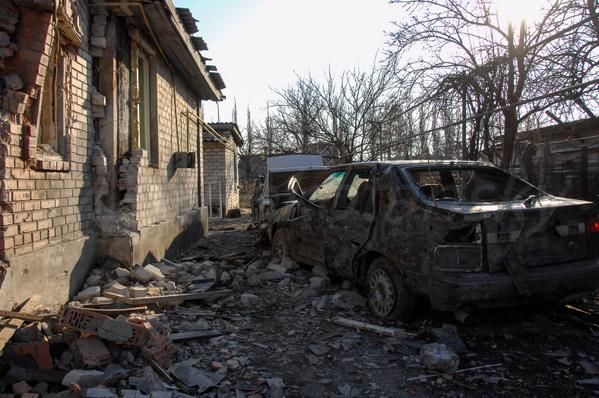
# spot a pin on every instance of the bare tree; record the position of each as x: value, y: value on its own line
x: 461, y: 47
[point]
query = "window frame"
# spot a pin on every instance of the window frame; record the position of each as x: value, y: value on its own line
x: 143, y: 51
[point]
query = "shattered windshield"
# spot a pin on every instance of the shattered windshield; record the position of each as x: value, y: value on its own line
x: 471, y: 184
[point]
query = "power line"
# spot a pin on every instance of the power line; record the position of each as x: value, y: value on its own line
x: 523, y: 102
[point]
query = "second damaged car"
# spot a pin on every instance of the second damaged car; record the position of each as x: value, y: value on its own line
x: 458, y: 234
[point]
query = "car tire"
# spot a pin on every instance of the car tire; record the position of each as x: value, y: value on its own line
x: 388, y: 297
x: 280, y: 248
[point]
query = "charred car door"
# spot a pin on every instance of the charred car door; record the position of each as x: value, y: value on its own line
x: 349, y: 220
x: 307, y: 241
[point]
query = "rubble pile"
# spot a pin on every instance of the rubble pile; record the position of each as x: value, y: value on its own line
x: 245, y: 324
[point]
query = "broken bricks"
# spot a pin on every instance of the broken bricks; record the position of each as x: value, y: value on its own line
x: 142, y: 334
x: 90, y: 353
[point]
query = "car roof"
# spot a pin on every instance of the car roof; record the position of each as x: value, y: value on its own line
x: 416, y: 163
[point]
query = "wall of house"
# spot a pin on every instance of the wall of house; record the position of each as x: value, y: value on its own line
x: 164, y: 191
x: 47, y: 226
x: 218, y: 168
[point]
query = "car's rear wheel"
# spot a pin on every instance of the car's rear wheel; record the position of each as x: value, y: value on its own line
x: 280, y: 248
x: 388, y: 297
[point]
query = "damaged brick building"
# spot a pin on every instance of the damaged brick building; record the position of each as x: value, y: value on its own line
x: 101, y: 110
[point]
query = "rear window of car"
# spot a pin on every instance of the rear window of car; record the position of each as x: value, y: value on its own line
x: 471, y: 184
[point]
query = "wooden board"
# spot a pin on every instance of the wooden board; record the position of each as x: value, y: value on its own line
x: 11, y: 327
x: 171, y: 298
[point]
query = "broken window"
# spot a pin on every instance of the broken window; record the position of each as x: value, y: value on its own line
x: 52, y: 126
x: 327, y: 190
x: 482, y: 184
x: 357, y: 195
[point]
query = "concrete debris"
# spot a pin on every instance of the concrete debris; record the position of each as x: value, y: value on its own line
x: 448, y: 335
x: 255, y: 280
x: 348, y: 299
x: 288, y: 264
x: 83, y: 378
x: 141, y: 274
x: 348, y: 391
x: 320, y: 270
x: 319, y: 349
x: 117, y: 288
x: 273, y: 276
x: 318, y: 282
x: 249, y: 300
x: 276, y: 386
x: 155, y: 273
x: 121, y: 272
x: 100, y: 392
x: 91, y: 353
x: 439, y: 357
x: 94, y: 280
x: 239, y: 344
x: 89, y: 293
x: 276, y: 267
x: 191, y: 376
x: 21, y: 387
x: 148, y: 382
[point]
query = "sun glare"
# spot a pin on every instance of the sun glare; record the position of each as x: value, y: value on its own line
x: 515, y: 11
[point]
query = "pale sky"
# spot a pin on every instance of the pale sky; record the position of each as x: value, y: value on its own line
x: 258, y: 44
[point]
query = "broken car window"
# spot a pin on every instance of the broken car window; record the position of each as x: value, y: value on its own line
x: 471, y: 184
x: 326, y: 191
x: 357, y: 194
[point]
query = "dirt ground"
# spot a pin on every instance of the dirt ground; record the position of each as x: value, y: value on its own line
x: 286, y: 334
x: 273, y: 331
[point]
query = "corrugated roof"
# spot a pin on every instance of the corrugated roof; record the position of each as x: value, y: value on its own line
x: 217, y: 80
x: 189, y: 22
x: 199, y: 43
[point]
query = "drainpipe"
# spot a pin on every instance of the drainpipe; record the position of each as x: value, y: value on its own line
x: 200, y: 151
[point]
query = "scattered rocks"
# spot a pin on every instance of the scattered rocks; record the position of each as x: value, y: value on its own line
x: 141, y: 274
x: 117, y: 288
x: 91, y: 353
x: 439, y: 357
x: 319, y: 270
x: 318, y: 282
x: 94, y: 280
x: 319, y: 349
x: 448, y: 335
x: 249, y: 299
x: 273, y: 275
x: 83, y: 378
x: 155, y: 273
x: 21, y: 388
x: 121, y: 272
x: 254, y: 280
x: 89, y: 293
x: 348, y: 299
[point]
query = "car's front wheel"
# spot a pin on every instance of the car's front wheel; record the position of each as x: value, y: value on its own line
x: 388, y: 297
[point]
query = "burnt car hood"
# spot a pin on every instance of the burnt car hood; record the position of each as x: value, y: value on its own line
x: 483, y: 210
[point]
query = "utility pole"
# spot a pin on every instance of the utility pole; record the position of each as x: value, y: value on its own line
x: 268, y: 129
x: 464, y: 145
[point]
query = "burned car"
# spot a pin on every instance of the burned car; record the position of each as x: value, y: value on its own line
x: 459, y: 234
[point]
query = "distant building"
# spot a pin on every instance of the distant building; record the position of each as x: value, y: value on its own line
x: 562, y: 159
x: 221, y: 168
